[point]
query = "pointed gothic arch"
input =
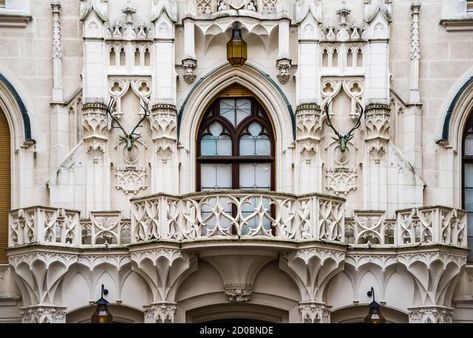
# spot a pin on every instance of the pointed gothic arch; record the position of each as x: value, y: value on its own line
x: 15, y: 132
x: 268, y: 94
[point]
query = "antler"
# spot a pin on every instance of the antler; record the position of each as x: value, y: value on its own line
x: 343, y: 139
x: 146, y: 114
x: 358, y: 122
x: 129, y: 138
x: 109, y: 111
x: 329, y: 122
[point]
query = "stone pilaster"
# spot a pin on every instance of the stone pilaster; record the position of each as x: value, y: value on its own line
x: 95, y: 131
x: 375, y: 170
x: 414, y: 93
x: 163, y: 120
x: 160, y: 313
x: 431, y: 314
x: 59, y: 116
x: 41, y: 314
x: 309, y: 121
x: 312, y: 312
x: 57, y: 54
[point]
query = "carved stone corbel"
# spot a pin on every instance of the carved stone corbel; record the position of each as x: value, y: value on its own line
x: 313, y: 312
x: 238, y: 293
x: 377, y: 118
x: 160, y: 313
x: 189, y: 65
x: 283, y: 65
x: 41, y: 314
x: 164, y: 128
x: 94, y: 126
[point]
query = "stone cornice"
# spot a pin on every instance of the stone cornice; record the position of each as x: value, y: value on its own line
x: 163, y: 106
x: 308, y: 106
x: 94, y: 105
x: 14, y: 20
x: 457, y: 24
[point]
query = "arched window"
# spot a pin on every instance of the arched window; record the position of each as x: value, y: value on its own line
x: 468, y: 178
x: 235, y: 144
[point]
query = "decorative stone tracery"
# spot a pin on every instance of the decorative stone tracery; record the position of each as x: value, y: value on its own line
x: 314, y: 313
x: 43, y: 314
x: 160, y: 313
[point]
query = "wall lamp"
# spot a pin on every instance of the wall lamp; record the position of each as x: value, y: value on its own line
x: 102, y: 314
x: 374, y: 315
x: 237, y: 50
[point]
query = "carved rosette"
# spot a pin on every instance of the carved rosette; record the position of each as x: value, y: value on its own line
x: 341, y: 180
x: 94, y: 126
x: 283, y: 65
x: 431, y: 314
x: 309, y: 126
x: 164, y: 128
x: 189, y: 66
x: 238, y: 293
x: 42, y: 314
x: 160, y: 313
x: 313, y: 312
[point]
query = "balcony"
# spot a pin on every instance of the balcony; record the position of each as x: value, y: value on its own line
x: 238, y: 216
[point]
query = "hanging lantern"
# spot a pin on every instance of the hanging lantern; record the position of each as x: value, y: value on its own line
x: 236, y: 48
x: 102, y: 314
x: 374, y: 313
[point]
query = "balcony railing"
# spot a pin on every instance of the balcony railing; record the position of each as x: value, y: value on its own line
x: 238, y: 215
x: 214, y: 6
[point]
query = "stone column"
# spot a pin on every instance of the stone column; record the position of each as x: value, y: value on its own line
x: 431, y: 314
x: 283, y: 63
x: 312, y: 312
x: 59, y: 115
x: 163, y: 117
x: 414, y: 93
x: 160, y: 313
x: 413, y: 113
x: 375, y: 171
x: 308, y: 163
x: 308, y: 72
x: 57, y: 54
x: 164, y: 75
x: 164, y: 170
x: 41, y: 314
x: 189, y: 62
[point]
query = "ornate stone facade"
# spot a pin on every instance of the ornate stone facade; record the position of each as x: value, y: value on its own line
x: 363, y: 180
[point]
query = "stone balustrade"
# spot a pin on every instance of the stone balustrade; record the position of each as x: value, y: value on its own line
x: 428, y: 225
x: 214, y: 6
x: 44, y: 225
x: 238, y: 215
